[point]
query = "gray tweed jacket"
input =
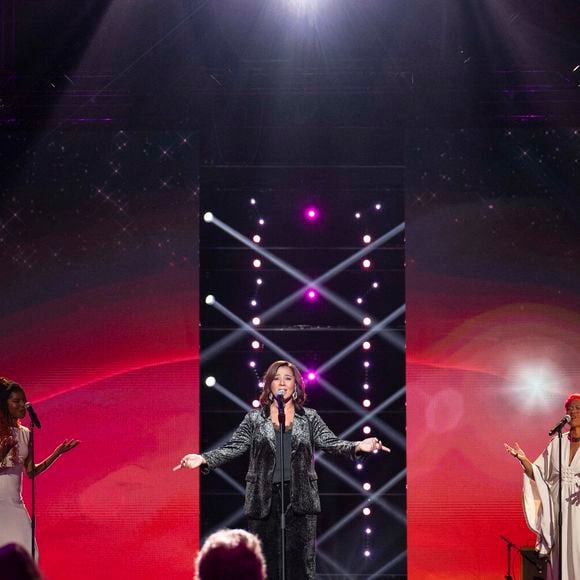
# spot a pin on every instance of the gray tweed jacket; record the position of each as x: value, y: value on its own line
x: 256, y: 433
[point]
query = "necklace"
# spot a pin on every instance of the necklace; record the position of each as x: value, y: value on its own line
x: 573, y: 439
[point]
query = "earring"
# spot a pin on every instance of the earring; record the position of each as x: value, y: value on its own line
x: 270, y: 397
x: 294, y: 395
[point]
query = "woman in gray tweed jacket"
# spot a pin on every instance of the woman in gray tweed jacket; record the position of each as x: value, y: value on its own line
x: 304, y: 432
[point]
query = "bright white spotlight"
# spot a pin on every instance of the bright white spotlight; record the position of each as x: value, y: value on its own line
x: 254, y: 303
x: 210, y: 299
x: 259, y: 281
x: 257, y: 239
x: 366, y: 403
x: 366, y: 364
x: 366, y: 430
x: 256, y: 321
x: 255, y: 403
x: 359, y: 300
x: 378, y: 206
x: 253, y: 201
x: 210, y: 382
x: 367, y: 553
x: 366, y: 511
x: 368, y: 531
x: 256, y: 344
x: 366, y: 264
x: 208, y: 217
x: 253, y: 364
x: 366, y: 386
x: 357, y: 215
x: 367, y: 486
x: 367, y: 239
x: 257, y: 263
x: 261, y: 221
x: 366, y: 345
x: 375, y: 284
x: 367, y: 321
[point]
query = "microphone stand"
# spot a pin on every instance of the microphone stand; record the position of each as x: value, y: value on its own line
x: 33, y: 493
x: 282, y: 423
x: 560, y: 503
x: 511, y: 545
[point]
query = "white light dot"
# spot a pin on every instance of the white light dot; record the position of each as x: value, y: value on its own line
x: 210, y: 299
x: 367, y: 321
x: 366, y: 364
x: 257, y: 263
x: 357, y: 215
x: 368, y: 531
x: 366, y: 263
x: 366, y: 403
x: 359, y: 466
x: 255, y: 344
x: 366, y: 486
x: 375, y: 284
x: 367, y: 553
x: 210, y: 381
x: 256, y: 321
x: 366, y: 345
x: 359, y: 300
x: 259, y: 281
x: 261, y: 384
x: 257, y: 239
x: 366, y: 511
x: 255, y: 403
x: 378, y: 206
x: 254, y: 303
x: 253, y: 364
x: 261, y: 222
x: 253, y: 201
x: 367, y: 239
x: 366, y: 386
x: 208, y: 217
x: 366, y: 430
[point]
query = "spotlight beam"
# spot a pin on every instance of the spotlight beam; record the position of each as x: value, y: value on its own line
x: 339, y: 302
x: 337, y: 393
x: 356, y: 343
x: 353, y: 513
x: 232, y: 397
x: 389, y: 565
x: 332, y: 563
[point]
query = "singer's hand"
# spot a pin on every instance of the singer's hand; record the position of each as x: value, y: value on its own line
x: 371, y: 444
x: 6, y: 445
x: 66, y: 445
x: 190, y: 461
x: 515, y: 451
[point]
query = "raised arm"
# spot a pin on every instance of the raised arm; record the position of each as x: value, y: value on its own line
x: 38, y: 468
x: 238, y: 444
x: 517, y: 452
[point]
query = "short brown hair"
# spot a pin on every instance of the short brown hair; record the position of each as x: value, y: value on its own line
x: 269, y: 377
x: 231, y: 554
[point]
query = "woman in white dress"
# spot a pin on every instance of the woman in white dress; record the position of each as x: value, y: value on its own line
x: 14, y: 460
x: 541, y: 496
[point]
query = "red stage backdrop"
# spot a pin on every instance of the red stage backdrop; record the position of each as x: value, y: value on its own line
x: 99, y: 255
x: 493, y: 333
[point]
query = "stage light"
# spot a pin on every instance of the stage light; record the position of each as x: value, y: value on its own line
x: 359, y: 300
x: 357, y: 215
x: 366, y: 364
x: 366, y: 430
x: 252, y: 364
x: 257, y: 263
x: 367, y: 486
x: 367, y: 239
x: 259, y: 281
x: 378, y: 206
x: 261, y: 221
x: 311, y: 376
x: 208, y: 217
x: 253, y: 303
x: 368, y: 531
x: 366, y: 264
x: 367, y: 321
x: 257, y: 239
x: 366, y: 386
x: 256, y: 345
x: 311, y: 295
x: 253, y: 201
x: 359, y: 466
x: 367, y: 553
x: 210, y: 382
x: 311, y: 213
x: 375, y: 284
x: 255, y: 403
x: 256, y: 321
x: 366, y: 403
x: 366, y: 511
x: 209, y: 299
x: 261, y: 384
x: 366, y: 345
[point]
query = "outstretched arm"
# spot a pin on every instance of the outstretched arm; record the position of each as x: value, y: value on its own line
x: 517, y: 452
x: 38, y: 468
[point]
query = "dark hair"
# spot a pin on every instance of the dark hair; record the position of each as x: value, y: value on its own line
x: 17, y: 564
x: 7, y: 387
x: 231, y: 554
x: 269, y: 377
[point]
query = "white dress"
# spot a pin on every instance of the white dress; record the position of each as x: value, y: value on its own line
x: 541, y: 508
x: 14, y: 519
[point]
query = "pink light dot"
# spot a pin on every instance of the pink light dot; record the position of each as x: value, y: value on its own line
x: 255, y: 403
x: 311, y: 376
x: 366, y: 264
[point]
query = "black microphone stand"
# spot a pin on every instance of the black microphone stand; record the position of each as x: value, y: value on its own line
x: 282, y: 423
x: 33, y: 493
x: 560, y: 503
x: 511, y: 545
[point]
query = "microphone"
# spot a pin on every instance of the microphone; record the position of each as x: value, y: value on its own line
x: 33, y: 415
x: 565, y: 419
x: 280, y: 400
